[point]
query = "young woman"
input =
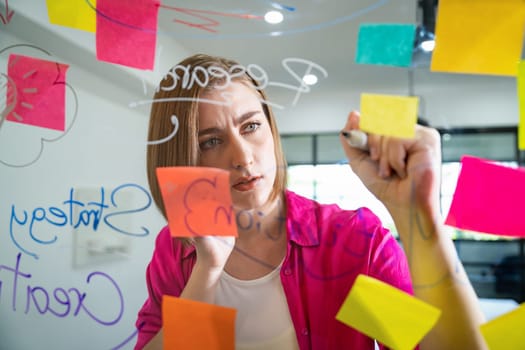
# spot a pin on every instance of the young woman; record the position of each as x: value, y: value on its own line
x: 288, y: 275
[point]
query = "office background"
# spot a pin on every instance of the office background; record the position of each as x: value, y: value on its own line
x: 98, y: 267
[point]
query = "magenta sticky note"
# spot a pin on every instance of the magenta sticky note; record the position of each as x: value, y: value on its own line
x: 38, y: 87
x: 489, y: 198
x: 127, y: 32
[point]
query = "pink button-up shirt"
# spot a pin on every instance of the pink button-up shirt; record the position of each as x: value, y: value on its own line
x: 327, y: 248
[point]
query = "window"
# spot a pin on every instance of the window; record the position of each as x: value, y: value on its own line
x: 336, y: 183
x: 318, y: 169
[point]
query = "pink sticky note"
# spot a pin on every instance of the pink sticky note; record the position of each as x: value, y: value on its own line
x: 39, y: 89
x: 488, y: 198
x: 127, y: 32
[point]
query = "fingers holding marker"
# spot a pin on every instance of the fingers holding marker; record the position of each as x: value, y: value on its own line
x: 389, y: 152
x: 356, y: 138
x: 396, y: 155
x: 353, y: 136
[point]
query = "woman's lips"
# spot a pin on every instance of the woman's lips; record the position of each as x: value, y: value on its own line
x: 246, y: 184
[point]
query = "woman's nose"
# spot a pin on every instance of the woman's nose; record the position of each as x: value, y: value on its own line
x: 241, y: 154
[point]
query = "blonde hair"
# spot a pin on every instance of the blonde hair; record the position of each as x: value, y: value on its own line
x: 178, y: 95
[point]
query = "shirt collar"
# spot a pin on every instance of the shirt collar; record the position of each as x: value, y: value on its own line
x: 302, y: 219
x: 188, y: 250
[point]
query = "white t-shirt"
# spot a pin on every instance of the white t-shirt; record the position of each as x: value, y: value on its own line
x: 263, y: 318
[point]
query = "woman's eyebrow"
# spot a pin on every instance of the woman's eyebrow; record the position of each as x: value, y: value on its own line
x: 209, y: 131
x: 245, y: 116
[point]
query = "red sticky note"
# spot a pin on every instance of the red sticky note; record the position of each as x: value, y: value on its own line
x: 194, y: 325
x: 127, y: 32
x: 488, y: 198
x: 197, y: 201
x: 38, y: 87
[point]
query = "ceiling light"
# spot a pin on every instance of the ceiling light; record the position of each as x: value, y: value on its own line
x: 273, y: 17
x: 310, y: 79
x: 428, y: 45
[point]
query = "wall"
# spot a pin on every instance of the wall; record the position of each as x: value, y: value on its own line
x: 74, y: 281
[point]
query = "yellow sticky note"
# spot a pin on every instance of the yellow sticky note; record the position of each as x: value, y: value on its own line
x: 479, y: 36
x: 389, y: 115
x: 387, y: 314
x: 521, y: 101
x: 78, y: 14
x: 506, y: 331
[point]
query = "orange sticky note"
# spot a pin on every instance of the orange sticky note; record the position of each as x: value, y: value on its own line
x: 488, y: 198
x: 479, y: 36
x: 193, y: 325
x: 78, y: 14
x: 197, y: 201
x: 387, y: 314
x: 389, y: 115
x: 521, y: 101
x: 506, y: 331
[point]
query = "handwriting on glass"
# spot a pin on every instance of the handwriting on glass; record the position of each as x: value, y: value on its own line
x: 60, y: 301
x: 75, y: 213
x: 8, y: 14
x: 295, y: 67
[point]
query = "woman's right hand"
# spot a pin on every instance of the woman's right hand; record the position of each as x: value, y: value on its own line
x: 213, y: 251
x: 212, y: 254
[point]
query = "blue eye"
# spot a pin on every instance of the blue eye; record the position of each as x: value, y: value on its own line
x: 251, y: 127
x: 210, y: 143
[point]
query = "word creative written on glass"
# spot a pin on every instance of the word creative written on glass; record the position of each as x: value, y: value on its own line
x: 197, y: 201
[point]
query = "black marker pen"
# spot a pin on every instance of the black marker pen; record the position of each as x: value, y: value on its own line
x: 356, y: 138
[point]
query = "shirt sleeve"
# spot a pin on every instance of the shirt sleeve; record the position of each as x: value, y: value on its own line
x: 162, y: 277
x: 389, y: 263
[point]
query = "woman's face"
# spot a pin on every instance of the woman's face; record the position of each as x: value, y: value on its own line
x: 234, y: 135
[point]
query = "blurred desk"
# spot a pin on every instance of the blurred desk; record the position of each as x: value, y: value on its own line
x: 493, y: 308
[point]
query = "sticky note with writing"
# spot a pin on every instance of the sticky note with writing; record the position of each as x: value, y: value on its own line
x: 387, y: 314
x: 194, y: 325
x: 78, y: 14
x: 389, y: 115
x: 506, y: 331
x: 40, y: 91
x: 127, y: 32
x: 385, y: 44
x: 488, y: 198
x: 521, y: 101
x: 466, y: 44
x: 197, y: 201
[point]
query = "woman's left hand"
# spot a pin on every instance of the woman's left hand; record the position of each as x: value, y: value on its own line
x: 399, y: 172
